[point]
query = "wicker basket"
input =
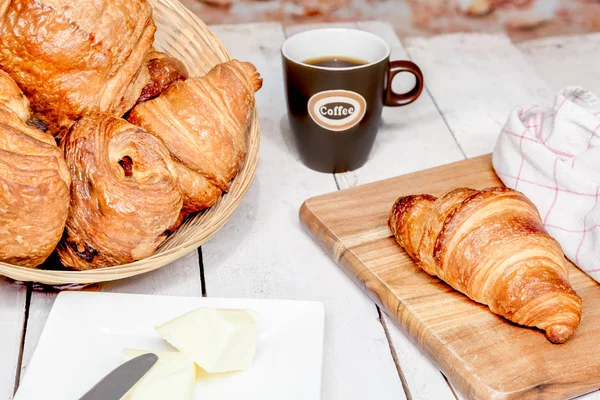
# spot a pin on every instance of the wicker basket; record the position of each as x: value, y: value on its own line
x: 183, y: 35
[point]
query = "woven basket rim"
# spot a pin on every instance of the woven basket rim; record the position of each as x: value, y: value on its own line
x: 215, y: 217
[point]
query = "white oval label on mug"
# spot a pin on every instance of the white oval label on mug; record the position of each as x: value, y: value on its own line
x: 337, y: 110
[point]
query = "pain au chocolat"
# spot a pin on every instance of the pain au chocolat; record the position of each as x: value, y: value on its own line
x: 125, y: 198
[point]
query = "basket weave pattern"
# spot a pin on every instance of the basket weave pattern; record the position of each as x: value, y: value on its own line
x: 183, y: 35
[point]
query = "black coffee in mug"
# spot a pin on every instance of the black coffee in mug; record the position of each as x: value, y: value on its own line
x: 337, y: 81
x: 335, y: 62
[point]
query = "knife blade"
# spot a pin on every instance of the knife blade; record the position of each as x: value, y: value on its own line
x: 118, y: 382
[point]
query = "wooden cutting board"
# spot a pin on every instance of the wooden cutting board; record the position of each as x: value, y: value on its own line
x: 484, y: 355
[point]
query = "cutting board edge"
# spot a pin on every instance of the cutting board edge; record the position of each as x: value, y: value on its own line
x: 342, y: 256
x: 449, y: 166
x: 311, y: 223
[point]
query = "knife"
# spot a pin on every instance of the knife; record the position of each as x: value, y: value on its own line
x: 118, y: 382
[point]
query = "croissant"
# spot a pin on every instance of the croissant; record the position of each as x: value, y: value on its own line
x: 203, y: 122
x: 492, y: 246
x: 71, y: 57
x: 125, y: 198
x: 164, y: 70
x: 34, y: 183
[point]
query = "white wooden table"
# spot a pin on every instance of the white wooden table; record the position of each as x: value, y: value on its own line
x: 472, y: 82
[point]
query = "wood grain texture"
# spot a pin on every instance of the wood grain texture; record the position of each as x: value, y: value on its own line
x: 12, y: 317
x: 409, y: 138
x: 482, y: 354
x: 476, y: 80
x: 263, y: 253
x: 473, y: 78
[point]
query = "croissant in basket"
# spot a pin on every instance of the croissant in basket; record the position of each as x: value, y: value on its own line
x: 203, y: 123
x: 70, y: 56
x: 34, y: 183
x: 491, y: 245
x: 125, y: 198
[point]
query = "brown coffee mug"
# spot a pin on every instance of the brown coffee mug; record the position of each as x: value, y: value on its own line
x: 337, y: 81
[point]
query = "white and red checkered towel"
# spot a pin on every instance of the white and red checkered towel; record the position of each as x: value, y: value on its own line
x: 553, y: 157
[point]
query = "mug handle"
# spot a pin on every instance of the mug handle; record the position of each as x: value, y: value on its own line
x: 394, y: 99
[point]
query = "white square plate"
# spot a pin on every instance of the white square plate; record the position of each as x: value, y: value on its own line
x: 86, y: 332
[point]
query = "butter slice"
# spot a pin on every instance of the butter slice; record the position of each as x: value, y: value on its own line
x: 172, y: 377
x: 218, y: 340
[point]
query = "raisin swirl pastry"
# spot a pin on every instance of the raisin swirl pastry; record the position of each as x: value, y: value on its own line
x: 203, y: 122
x: 34, y: 184
x: 75, y: 56
x: 125, y: 199
x: 492, y: 246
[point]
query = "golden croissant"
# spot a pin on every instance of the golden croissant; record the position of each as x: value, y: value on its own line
x: 492, y: 246
x: 125, y: 198
x: 73, y: 56
x: 34, y: 183
x: 203, y: 123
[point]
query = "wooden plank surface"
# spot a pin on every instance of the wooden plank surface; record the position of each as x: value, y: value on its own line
x: 12, y: 316
x: 262, y: 252
x: 566, y: 60
x: 491, y: 76
x: 481, y: 353
x: 475, y: 81
x: 410, y: 138
x: 180, y: 278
